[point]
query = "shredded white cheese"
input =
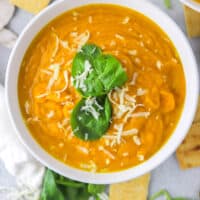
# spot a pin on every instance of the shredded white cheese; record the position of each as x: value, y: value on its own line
x: 107, y: 161
x: 130, y: 112
x: 61, y: 144
x: 126, y: 20
x: 75, y: 18
x: 112, y: 43
x: 118, y: 36
x: 89, y: 107
x: 116, y: 53
x: 68, y: 63
x: 45, y: 71
x: 137, y: 60
x: 91, y: 166
x: 140, y: 36
x: 42, y: 95
x: 27, y: 107
x: 141, y: 44
x: 83, y: 149
x: 130, y: 132
x: 130, y: 98
x: 159, y: 64
x: 107, y: 142
x: 141, y: 92
x: 34, y: 119
x: 108, y: 153
x: 174, y: 60
x: 65, y: 158
x: 135, y: 75
x: 50, y: 114
x: 74, y: 34
x: 140, y: 157
x: 86, y: 136
x: 125, y: 106
x: 141, y: 114
x: 64, y: 44
x: 119, y: 129
x: 75, y: 14
x: 136, y: 140
x: 132, y: 52
x: 130, y: 29
x: 65, y: 74
x: 82, y: 77
x: 55, y: 50
x: 82, y: 39
x: 125, y: 154
x: 56, y: 69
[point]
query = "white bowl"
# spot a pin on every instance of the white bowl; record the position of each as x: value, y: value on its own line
x: 191, y: 75
x: 192, y: 4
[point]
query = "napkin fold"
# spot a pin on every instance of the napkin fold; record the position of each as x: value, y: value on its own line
x: 19, y: 163
x: 7, y: 37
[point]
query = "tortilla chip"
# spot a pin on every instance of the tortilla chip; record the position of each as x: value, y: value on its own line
x: 33, y: 6
x: 188, y: 153
x: 192, y: 20
x: 197, y: 116
x: 136, y: 189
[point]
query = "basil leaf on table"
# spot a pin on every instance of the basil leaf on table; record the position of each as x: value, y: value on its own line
x: 57, y: 187
x: 96, y: 189
x: 165, y: 193
x: 94, y: 73
x: 50, y: 190
x: 90, y: 119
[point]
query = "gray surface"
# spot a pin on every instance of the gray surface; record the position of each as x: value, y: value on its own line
x: 168, y: 175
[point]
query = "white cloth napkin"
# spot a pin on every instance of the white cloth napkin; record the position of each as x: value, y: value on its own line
x: 19, y: 163
x: 7, y: 37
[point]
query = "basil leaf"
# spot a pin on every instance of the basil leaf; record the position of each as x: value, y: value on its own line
x: 57, y: 187
x: 94, y: 73
x: 95, y: 189
x: 167, y: 3
x: 50, y: 191
x: 85, y: 78
x: 110, y: 72
x: 91, y: 50
x: 166, y: 195
x: 90, y: 119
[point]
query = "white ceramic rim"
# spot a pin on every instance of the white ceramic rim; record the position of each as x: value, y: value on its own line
x: 192, y: 4
x: 192, y: 89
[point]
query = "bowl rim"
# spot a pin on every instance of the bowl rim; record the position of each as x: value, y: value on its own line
x: 192, y: 4
x: 185, y: 121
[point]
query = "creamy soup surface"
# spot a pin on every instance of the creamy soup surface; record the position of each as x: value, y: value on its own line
x: 146, y: 109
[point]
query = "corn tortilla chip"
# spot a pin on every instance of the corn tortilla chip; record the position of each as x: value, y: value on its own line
x: 136, y: 189
x: 33, y: 6
x: 188, y: 153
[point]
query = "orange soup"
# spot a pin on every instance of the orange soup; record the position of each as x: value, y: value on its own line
x: 145, y: 110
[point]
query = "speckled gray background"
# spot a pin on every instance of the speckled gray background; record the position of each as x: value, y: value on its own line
x: 168, y: 175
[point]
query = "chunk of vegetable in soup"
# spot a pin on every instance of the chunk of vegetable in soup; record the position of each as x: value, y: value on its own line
x: 145, y: 110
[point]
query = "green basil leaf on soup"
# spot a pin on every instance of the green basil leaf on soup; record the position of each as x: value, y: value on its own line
x: 90, y: 119
x: 110, y: 72
x: 95, y: 74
